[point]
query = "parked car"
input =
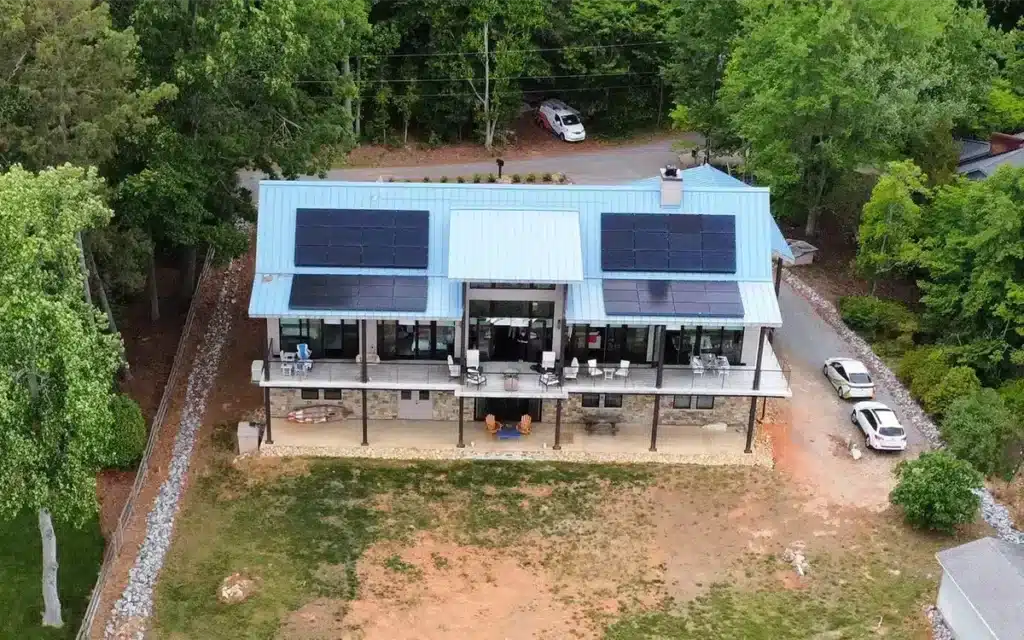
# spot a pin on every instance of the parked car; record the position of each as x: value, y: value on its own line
x: 881, y: 427
x: 849, y: 377
x: 561, y: 120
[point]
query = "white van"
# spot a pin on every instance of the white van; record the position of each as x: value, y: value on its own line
x: 561, y: 120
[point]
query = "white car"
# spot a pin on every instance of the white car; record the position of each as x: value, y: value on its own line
x: 561, y: 120
x: 881, y: 427
x: 849, y: 377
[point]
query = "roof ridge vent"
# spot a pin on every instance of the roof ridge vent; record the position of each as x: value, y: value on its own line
x: 671, y: 186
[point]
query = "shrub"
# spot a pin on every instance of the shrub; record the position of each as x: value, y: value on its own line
x: 980, y: 429
x: 546, y: 177
x: 957, y: 383
x: 129, y: 439
x: 426, y: 178
x: 935, y: 491
x: 443, y: 179
x: 516, y: 178
x: 876, y: 319
x: 391, y: 178
x: 477, y: 178
x: 491, y: 178
x: 460, y: 179
x: 531, y: 177
x: 1012, y: 394
x: 923, y: 368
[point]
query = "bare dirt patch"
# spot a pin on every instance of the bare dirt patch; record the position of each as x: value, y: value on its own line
x: 435, y: 589
x: 261, y: 470
x: 112, y: 489
x: 321, y: 619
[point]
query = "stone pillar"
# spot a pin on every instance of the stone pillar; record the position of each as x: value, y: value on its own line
x: 757, y: 385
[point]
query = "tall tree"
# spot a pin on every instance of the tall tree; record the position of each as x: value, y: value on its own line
x: 891, y: 222
x: 821, y: 88
x: 69, y: 85
x: 56, y: 365
x: 702, y: 32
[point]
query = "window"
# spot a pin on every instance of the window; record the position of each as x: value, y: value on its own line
x: 613, y: 401
x: 591, y: 400
x: 424, y: 395
x: 341, y: 339
x: 415, y: 340
x: 705, y: 402
x: 296, y: 331
x: 840, y: 370
x: 511, y: 285
x: 681, y: 345
x: 571, y: 119
x: 406, y: 394
x: 332, y: 394
x: 607, y: 344
x: 681, y: 402
x: 310, y: 394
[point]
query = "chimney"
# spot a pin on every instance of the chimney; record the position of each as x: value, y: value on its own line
x: 671, y: 186
x: 1004, y: 142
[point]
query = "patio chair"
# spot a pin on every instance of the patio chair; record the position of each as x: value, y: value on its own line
x: 549, y: 379
x: 723, y: 366
x: 492, y: 424
x: 547, y: 360
x: 473, y: 374
x: 623, y: 370
x: 371, y: 358
x: 593, y: 369
x: 572, y: 370
x: 304, y: 358
x: 697, y: 365
x: 453, y: 369
x: 287, y: 363
x: 525, y: 425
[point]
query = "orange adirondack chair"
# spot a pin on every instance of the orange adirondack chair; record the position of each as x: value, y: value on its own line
x: 525, y: 425
x: 492, y: 424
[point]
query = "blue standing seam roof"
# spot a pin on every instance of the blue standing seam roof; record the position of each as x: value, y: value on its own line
x: 270, y: 294
x: 515, y: 246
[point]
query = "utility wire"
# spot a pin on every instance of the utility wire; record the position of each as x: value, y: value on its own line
x: 552, y: 77
x: 471, y: 95
x: 476, y: 53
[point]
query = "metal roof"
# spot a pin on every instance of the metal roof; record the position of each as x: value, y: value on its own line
x: 515, y: 246
x: 989, y: 165
x: 990, y: 574
x: 270, y: 294
x: 585, y: 305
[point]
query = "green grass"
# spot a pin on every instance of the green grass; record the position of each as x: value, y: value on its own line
x: 302, y: 535
x: 79, y: 552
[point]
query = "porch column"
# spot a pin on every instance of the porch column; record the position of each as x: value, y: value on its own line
x: 654, y: 423
x: 365, y: 441
x: 757, y: 385
x: 462, y: 401
x: 465, y: 328
x: 558, y: 425
x: 778, y: 285
x: 365, y: 378
x: 266, y: 390
x: 659, y: 333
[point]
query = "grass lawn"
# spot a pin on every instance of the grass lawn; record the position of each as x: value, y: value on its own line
x: 79, y: 552
x: 366, y: 550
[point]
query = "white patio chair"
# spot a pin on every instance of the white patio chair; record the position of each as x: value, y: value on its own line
x: 549, y: 379
x: 593, y: 369
x: 697, y: 365
x: 473, y: 374
x: 453, y: 369
x: 623, y: 370
x: 287, y: 363
x: 572, y: 370
x: 547, y: 360
x: 723, y: 366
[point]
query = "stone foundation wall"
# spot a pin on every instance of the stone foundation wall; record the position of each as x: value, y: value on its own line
x: 446, y: 407
x: 639, y: 409
x: 381, y: 405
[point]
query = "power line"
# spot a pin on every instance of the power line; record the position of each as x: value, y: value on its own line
x: 551, y: 77
x: 472, y: 95
x: 476, y: 53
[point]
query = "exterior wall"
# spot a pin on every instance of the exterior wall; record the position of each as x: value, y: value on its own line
x: 446, y: 407
x: 958, y: 613
x: 274, y: 333
x: 381, y: 405
x: 639, y: 409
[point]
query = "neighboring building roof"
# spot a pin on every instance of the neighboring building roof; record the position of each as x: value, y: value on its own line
x: 585, y: 305
x: 986, y: 166
x: 515, y: 246
x: 973, y: 149
x: 990, y: 574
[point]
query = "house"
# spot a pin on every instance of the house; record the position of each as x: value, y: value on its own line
x: 979, y: 159
x: 648, y: 302
x: 981, y: 596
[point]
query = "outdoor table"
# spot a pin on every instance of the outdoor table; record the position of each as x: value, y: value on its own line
x: 511, y: 380
x: 596, y: 422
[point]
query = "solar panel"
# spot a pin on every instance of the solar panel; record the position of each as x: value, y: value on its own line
x: 362, y: 238
x: 668, y: 298
x: 358, y: 293
x: 668, y: 243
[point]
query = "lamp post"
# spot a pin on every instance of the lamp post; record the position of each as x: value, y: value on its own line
x: 500, y: 163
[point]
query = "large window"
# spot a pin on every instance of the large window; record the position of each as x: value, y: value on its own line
x: 340, y: 339
x: 294, y: 332
x: 415, y: 340
x: 510, y: 285
x: 511, y: 330
x: 607, y: 344
x: 681, y: 345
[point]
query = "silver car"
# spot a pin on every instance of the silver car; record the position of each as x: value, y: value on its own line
x: 849, y: 377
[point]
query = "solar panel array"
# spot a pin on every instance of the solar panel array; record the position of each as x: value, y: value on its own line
x: 359, y: 293
x: 670, y: 243
x: 664, y: 298
x: 361, y: 238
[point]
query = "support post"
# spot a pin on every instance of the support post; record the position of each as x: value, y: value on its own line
x: 654, y: 423
x: 659, y: 333
x: 366, y: 441
x: 267, y: 349
x: 778, y: 275
x: 465, y: 328
x: 365, y: 377
x: 558, y: 425
x: 757, y: 385
x: 462, y: 405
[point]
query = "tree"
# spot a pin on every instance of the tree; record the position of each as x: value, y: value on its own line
x: 407, y: 100
x: 56, y: 364
x: 980, y: 429
x: 956, y: 383
x: 69, y: 86
x: 936, y: 491
x: 823, y: 88
x: 890, y: 221
x: 702, y: 34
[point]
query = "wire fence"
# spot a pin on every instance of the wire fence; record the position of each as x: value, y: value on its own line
x: 116, y: 539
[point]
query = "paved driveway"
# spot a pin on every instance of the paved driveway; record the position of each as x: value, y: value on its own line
x: 814, y: 448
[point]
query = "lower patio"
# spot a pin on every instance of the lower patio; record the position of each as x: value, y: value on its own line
x: 438, y: 440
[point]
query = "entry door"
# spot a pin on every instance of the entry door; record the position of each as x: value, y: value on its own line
x: 415, y: 405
